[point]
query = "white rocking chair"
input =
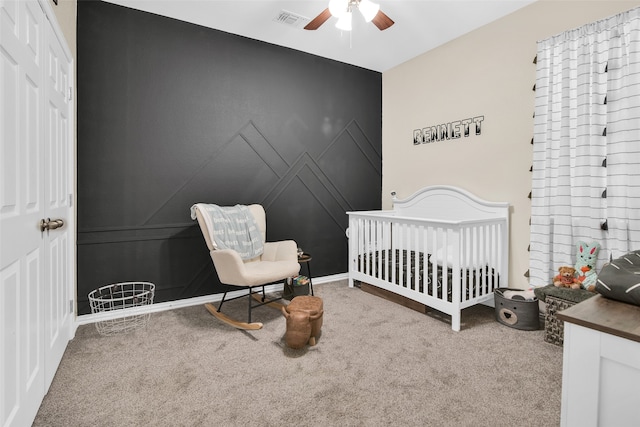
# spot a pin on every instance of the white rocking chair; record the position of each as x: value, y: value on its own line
x: 278, y: 262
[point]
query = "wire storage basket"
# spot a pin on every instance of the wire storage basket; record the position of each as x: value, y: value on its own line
x: 121, y: 296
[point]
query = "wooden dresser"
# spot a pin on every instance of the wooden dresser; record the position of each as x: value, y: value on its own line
x: 601, y: 364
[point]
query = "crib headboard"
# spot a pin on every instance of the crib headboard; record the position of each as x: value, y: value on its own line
x: 450, y: 203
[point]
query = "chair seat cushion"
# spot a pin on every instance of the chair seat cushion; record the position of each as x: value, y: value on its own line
x: 265, y: 272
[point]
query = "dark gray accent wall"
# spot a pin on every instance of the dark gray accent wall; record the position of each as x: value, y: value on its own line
x: 171, y: 114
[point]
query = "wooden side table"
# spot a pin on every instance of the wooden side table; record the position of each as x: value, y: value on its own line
x: 305, y: 258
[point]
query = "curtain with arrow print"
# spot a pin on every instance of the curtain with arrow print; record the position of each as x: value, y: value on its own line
x: 586, y: 150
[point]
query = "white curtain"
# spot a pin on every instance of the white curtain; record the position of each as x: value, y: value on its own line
x: 586, y: 150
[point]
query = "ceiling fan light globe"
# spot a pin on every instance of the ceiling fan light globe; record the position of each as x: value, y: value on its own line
x: 338, y: 8
x: 368, y: 9
x: 344, y: 22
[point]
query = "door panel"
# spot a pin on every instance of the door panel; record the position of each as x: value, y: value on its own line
x: 10, y: 322
x: 36, y: 284
x: 58, y: 316
x: 21, y: 207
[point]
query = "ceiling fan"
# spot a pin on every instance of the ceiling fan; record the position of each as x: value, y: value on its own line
x: 342, y: 9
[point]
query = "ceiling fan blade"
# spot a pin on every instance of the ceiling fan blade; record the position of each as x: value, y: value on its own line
x: 318, y: 20
x: 382, y: 21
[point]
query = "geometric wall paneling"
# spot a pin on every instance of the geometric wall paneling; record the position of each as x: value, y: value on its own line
x: 353, y: 161
x: 109, y: 262
x: 171, y: 114
x: 246, y: 157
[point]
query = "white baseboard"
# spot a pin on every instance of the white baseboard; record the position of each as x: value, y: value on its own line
x: 170, y: 305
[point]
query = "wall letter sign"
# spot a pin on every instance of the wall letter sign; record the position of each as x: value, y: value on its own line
x: 452, y: 130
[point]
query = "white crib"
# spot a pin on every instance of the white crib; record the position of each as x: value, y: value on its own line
x: 442, y: 247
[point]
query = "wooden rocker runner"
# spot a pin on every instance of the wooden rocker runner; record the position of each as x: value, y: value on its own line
x: 261, y: 264
x: 244, y: 325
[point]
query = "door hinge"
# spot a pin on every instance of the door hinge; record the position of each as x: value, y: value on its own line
x: 71, y: 306
x: 70, y: 200
x: 70, y: 93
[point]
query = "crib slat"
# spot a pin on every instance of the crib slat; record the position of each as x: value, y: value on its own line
x: 445, y: 257
x: 465, y: 263
x: 376, y: 253
x: 480, y: 261
x: 402, y: 245
x: 416, y: 261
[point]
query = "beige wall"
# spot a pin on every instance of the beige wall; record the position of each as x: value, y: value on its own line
x: 488, y: 72
x: 66, y: 12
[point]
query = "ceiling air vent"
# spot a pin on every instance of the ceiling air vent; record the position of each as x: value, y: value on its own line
x: 291, y: 19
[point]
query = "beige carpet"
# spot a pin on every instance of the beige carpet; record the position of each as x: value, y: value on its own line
x: 375, y: 364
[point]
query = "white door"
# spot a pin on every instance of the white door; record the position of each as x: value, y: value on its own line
x: 35, y: 325
x: 21, y: 208
x: 58, y: 240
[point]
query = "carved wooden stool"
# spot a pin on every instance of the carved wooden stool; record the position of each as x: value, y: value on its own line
x: 304, y: 320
